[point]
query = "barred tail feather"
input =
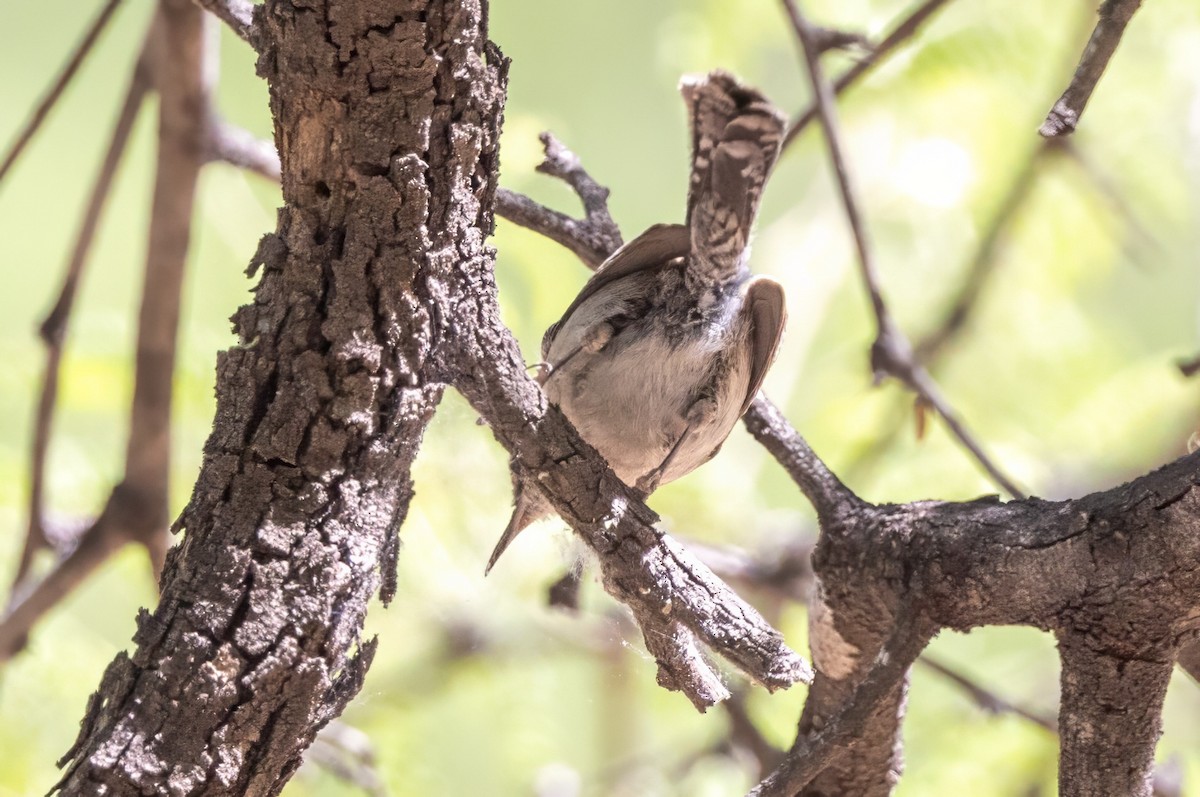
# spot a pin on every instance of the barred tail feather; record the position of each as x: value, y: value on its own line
x: 736, y: 137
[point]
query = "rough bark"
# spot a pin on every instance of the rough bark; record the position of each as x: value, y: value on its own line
x: 842, y: 644
x: 1111, y: 718
x: 1112, y: 574
x: 386, y: 119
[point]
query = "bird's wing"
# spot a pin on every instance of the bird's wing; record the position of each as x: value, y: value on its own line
x: 653, y: 249
x: 764, y: 302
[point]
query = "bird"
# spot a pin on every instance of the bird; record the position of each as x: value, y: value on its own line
x: 667, y: 344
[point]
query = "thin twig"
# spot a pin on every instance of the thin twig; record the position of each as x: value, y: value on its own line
x: 1064, y: 116
x: 902, y: 32
x: 987, y: 700
x: 982, y: 262
x: 136, y: 510
x: 1103, y: 182
x: 891, y: 352
x: 811, y: 475
x: 985, y: 257
x: 59, y: 85
x: 920, y: 382
x: 53, y: 328
x: 558, y: 227
x: 594, y: 237
x: 827, y: 39
x: 931, y: 348
x: 241, y: 148
x: 31, y: 602
x: 237, y: 14
x: 824, y: 98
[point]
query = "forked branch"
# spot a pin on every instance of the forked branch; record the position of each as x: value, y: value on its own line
x: 891, y: 352
x: 136, y: 510
x: 53, y: 328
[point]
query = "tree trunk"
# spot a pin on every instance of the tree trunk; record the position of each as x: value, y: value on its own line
x: 386, y: 119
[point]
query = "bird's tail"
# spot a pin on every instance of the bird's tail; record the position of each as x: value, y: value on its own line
x: 736, y: 137
x: 528, y: 507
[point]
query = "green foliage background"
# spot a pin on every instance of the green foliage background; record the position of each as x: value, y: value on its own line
x: 1066, y: 370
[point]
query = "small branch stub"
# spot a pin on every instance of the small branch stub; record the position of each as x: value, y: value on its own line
x: 1064, y: 116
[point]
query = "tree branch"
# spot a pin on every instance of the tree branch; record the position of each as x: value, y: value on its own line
x: 809, y: 757
x: 664, y: 585
x: 905, y: 29
x: 1064, y: 116
x: 594, y: 237
x: 238, y: 16
x: 53, y: 328
x: 242, y: 149
x: 320, y: 410
x: 891, y: 352
x: 59, y: 85
x: 1098, y: 571
x: 1110, y: 719
x: 826, y: 492
x: 136, y: 510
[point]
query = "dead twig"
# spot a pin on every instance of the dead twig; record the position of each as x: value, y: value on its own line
x: 238, y: 15
x: 241, y: 148
x: 984, y: 698
x: 594, y: 237
x: 904, y: 30
x: 1064, y: 116
x: 53, y: 328
x: 136, y: 510
x: 891, y: 353
x: 59, y: 85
